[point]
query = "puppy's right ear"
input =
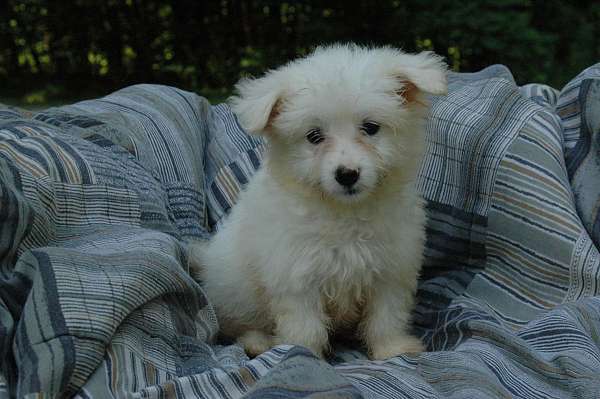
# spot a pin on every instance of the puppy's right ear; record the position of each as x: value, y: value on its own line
x: 256, y: 103
x: 425, y: 72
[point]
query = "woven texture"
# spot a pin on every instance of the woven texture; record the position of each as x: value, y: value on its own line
x: 99, y: 200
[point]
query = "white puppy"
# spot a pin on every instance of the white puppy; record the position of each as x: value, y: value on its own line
x: 329, y: 233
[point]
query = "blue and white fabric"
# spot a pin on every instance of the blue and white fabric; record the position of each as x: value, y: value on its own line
x: 100, y: 199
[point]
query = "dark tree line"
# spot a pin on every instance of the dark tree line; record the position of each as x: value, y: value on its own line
x: 96, y: 46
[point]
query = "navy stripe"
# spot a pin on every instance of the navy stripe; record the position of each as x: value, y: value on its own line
x: 533, y: 223
x: 237, y: 172
x: 166, y: 147
x: 35, y: 155
x: 577, y: 154
x: 81, y: 164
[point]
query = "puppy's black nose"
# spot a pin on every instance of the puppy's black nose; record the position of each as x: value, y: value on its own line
x: 346, y: 177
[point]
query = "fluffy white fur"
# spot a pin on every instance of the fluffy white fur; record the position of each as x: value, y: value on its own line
x: 301, y: 256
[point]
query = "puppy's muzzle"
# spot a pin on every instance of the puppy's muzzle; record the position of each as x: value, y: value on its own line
x: 346, y: 177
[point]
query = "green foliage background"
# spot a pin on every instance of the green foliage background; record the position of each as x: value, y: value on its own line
x: 51, y: 50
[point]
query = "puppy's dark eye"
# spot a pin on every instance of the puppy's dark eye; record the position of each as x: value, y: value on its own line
x: 370, y: 128
x: 314, y: 136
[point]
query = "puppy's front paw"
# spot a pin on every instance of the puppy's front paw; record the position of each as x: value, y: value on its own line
x: 255, y: 342
x: 317, y: 347
x: 395, y: 346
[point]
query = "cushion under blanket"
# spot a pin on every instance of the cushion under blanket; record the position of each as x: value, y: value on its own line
x: 99, y: 200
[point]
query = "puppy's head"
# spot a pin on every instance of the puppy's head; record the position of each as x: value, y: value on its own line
x: 342, y: 120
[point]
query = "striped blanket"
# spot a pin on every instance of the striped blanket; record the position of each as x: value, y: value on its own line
x: 99, y: 200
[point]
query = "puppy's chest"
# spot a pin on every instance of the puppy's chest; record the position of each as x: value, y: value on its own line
x: 344, y: 258
x: 348, y: 265
x: 347, y: 257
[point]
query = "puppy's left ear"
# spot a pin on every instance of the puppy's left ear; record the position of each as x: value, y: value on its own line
x: 421, y: 73
x: 257, y: 101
